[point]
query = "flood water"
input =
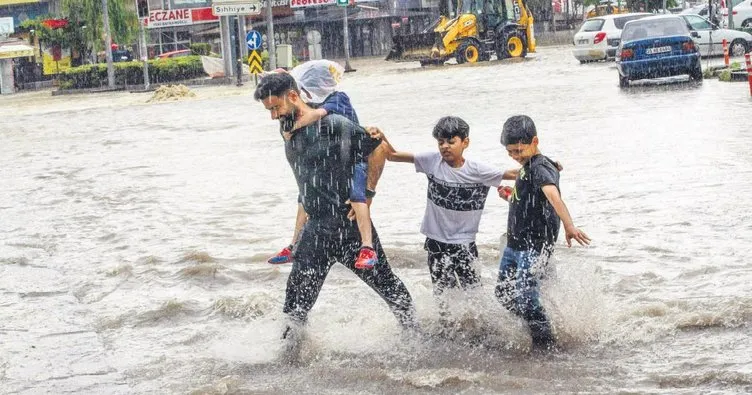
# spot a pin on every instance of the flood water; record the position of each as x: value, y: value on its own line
x: 133, y: 241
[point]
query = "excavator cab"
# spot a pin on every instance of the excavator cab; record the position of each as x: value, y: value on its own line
x: 470, y: 31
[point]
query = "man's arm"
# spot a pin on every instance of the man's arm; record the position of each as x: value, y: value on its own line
x: 570, y: 231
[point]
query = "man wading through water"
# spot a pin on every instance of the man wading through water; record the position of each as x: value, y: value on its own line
x: 322, y: 157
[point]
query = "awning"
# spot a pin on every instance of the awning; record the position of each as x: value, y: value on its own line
x: 11, y: 2
x: 16, y: 51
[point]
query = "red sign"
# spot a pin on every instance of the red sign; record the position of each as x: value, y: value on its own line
x: 310, y: 3
x: 179, y: 17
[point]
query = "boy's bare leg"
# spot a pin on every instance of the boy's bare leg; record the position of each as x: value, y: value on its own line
x: 300, y: 219
x: 363, y: 217
x: 376, y: 162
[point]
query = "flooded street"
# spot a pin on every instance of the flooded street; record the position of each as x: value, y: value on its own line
x: 134, y: 239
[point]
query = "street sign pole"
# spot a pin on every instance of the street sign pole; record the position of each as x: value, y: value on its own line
x: 270, y: 36
x: 240, y: 53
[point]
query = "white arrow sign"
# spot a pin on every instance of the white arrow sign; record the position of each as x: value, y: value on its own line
x: 247, y: 8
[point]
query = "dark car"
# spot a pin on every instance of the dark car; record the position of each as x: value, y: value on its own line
x: 654, y: 47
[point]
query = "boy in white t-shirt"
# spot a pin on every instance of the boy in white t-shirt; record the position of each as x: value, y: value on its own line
x: 457, y: 191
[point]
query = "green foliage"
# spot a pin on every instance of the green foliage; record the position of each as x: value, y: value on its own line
x: 45, y: 34
x: 85, y: 16
x: 131, y: 73
x: 724, y: 75
x: 200, y: 49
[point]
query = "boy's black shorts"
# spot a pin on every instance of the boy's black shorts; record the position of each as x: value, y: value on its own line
x: 451, y: 265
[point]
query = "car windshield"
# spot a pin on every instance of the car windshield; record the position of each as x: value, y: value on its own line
x: 663, y: 27
x: 621, y: 21
x: 592, y: 25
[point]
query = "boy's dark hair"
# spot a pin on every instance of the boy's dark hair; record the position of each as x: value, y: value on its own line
x: 275, y: 84
x: 449, y: 127
x: 518, y: 129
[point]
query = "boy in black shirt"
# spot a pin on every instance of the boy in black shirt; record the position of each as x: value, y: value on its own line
x: 535, y: 210
x: 323, y: 156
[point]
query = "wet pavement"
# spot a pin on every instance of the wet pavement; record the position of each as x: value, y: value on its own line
x: 133, y: 240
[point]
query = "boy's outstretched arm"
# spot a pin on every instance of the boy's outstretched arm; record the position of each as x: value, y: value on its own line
x: 510, y: 174
x: 570, y: 231
x: 309, y: 118
x: 392, y: 155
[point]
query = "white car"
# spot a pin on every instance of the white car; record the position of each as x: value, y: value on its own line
x: 709, y: 38
x: 599, y: 37
x: 742, y: 14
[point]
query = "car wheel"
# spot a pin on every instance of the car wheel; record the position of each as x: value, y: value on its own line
x: 747, y: 23
x: 738, y: 47
x: 623, y: 82
x: 696, y: 74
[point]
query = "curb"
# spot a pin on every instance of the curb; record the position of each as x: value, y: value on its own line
x: 154, y: 86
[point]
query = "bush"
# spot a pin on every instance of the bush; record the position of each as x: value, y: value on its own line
x: 200, y: 49
x: 132, y: 73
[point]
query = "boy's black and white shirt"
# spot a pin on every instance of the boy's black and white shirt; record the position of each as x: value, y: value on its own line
x: 456, y: 197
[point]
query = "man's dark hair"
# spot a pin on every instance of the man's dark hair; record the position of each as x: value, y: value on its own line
x: 275, y: 84
x: 449, y: 127
x: 518, y: 129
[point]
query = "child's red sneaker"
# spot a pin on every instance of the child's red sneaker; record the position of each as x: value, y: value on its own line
x: 366, y: 259
x: 284, y: 256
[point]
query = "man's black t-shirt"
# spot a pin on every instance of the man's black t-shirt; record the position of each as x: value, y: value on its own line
x: 322, y: 157
x: 533, y: 223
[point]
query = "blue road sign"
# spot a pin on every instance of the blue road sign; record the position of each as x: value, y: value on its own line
x: 253, y: 40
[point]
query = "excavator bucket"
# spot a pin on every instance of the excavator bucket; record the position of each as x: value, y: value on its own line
x: 413, y: 47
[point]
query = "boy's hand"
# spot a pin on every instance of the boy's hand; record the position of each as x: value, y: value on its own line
x: 572, y: 232
x: 505, y: 192
x: 375, y: 132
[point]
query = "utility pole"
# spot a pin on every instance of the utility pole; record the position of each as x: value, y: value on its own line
x: 270, y: 36
x: 107, y: 47
x: 143, y: 49
x: 730, y: 5
x: 346, y: 34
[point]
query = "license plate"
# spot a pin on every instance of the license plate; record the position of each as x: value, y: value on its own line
x: 582, y: 41
x: 652, y: 51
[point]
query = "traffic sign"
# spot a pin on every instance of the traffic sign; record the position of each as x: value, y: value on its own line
x: 254, y: 62
x: 247, y: 7
x: 253, y: 40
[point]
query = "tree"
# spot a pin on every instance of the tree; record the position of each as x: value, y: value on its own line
x: 86, y: 17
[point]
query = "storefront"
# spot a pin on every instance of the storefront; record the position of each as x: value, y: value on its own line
x: 176, y: 29
x: 21, y: 10
x: 9, y: 52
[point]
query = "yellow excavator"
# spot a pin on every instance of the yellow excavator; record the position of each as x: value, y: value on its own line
x: 470, y: 31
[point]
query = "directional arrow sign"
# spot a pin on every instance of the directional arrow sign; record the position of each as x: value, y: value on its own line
x: 249, y: 7
x: 253, y: 39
